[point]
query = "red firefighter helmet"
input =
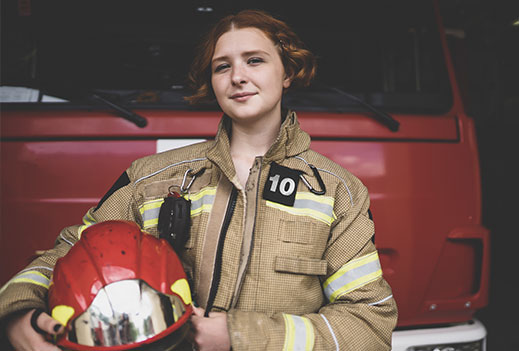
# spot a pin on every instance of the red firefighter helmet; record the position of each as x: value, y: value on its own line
x: 120, y: 289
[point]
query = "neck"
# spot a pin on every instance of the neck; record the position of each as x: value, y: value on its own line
x: 250, y: 140
x: 254, y: 139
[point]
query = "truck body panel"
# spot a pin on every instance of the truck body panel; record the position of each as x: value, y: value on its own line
x: 423, y: 185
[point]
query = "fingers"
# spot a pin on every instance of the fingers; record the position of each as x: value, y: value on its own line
x: 216, y: 314
x: 49, y: 324
x: 22, y: 335
x: 210, y: 333
x: 198, y: 311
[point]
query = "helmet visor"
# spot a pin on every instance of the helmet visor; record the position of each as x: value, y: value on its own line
x: 125, y: 312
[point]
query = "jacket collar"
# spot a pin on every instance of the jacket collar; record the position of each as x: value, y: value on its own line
x: 291, y: 141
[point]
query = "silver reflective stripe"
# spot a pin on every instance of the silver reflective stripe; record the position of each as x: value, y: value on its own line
x: 353, y: 275
x: 150, y: 217
x: 331, y: 332
x: 88, y: 220
x: 314, y: 205
x: 379, y: 302
x: 37, y: 267
x: 167, y: 167
x: 33, y: 277
x: 310, y: 205
x: 29, y: 275
x: 201, y: 201
x: 201, y: 204
x: 299, y: 333
x: 333, y: 174
x: 343, y: 182
x: 66, y: 240
x: 150, y: 213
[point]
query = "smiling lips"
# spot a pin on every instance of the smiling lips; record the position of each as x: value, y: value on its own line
x: 240, y: 97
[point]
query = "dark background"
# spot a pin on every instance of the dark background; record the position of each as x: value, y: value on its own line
x: 487, y: 60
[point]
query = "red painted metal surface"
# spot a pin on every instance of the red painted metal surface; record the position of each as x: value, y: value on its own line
x: 423, y: 182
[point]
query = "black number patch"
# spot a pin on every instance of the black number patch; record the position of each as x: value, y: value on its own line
x: 281, y: 185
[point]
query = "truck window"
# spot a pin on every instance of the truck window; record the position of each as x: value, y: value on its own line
x: 138, y: 53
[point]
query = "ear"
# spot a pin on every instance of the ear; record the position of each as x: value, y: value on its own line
x: 287, y: 81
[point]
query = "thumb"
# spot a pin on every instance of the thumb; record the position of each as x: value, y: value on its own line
x: 198, y: 311
x: 48, y: 324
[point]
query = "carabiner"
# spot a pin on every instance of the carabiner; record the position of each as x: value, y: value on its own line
x: 319, y: 180
x: 183, y: 189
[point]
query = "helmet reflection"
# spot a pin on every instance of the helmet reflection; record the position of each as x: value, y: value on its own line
x: 125, y: 312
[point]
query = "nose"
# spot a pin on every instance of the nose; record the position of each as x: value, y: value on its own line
x: 238, y: 75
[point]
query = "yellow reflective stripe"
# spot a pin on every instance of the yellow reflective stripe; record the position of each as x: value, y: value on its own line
x: 80, y: 230
x: 353, y: 275
x: 310, y: 336
x: 203, y: 208
x: 150, y: 205
x: 290, y: 333
x: 310, y: 205
x: 150, y: 213
x: 328, y: 200
x: 299, y: 333
x: 88, y: 219
x: 202, y: 201
x: 199, y: 195
x: 33, y: 277
x: 303, y: 212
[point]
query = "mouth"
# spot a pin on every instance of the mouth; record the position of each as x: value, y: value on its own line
x: 243, y: 96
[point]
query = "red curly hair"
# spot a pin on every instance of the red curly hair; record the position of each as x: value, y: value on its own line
x: 299, y: 63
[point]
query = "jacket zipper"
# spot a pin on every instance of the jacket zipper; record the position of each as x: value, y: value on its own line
x: 242, y: 278
x: 218, y: 260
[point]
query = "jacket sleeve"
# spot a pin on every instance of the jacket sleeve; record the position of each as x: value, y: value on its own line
x: 359, y: 312
x: 28, y: 289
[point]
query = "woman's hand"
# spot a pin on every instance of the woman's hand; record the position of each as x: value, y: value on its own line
x: 23, y: 337
x: 211, y: 333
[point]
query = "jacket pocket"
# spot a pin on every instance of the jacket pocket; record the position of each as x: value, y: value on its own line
x: 302, y: 238
x: 298, y: 265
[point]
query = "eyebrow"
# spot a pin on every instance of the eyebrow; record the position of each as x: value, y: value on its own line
x: 243, y: 54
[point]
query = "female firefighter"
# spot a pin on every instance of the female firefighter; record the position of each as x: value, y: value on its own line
x: 280, y: 249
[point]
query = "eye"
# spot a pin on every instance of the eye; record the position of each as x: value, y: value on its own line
x: 255, y: 60
x: 221, y: 67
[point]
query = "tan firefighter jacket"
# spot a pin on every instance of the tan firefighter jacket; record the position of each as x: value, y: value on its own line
x: 294, y: 270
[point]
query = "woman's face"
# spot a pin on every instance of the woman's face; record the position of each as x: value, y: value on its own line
x: 248, y: 76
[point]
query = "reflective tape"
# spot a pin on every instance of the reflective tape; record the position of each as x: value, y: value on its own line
x: 310, y: 205
x: 200, y: 202
x: 33, y: 277
x: 331, y: 332
x: 353, y: 275
x: 150, y: 213
x: 299, y: 333
x: 88, y: 220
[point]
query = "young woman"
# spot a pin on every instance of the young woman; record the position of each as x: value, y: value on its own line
x: 280, y: 249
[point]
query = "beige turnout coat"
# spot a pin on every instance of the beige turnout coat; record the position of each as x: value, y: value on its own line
x: 298, y: 276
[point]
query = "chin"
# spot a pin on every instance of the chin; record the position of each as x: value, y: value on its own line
x: 244, y: 113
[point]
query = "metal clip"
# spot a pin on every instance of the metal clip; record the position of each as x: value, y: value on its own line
x: 184, y: 189
x: 319, y: 180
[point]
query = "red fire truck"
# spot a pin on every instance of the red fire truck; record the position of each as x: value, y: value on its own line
x: 83, y: 95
